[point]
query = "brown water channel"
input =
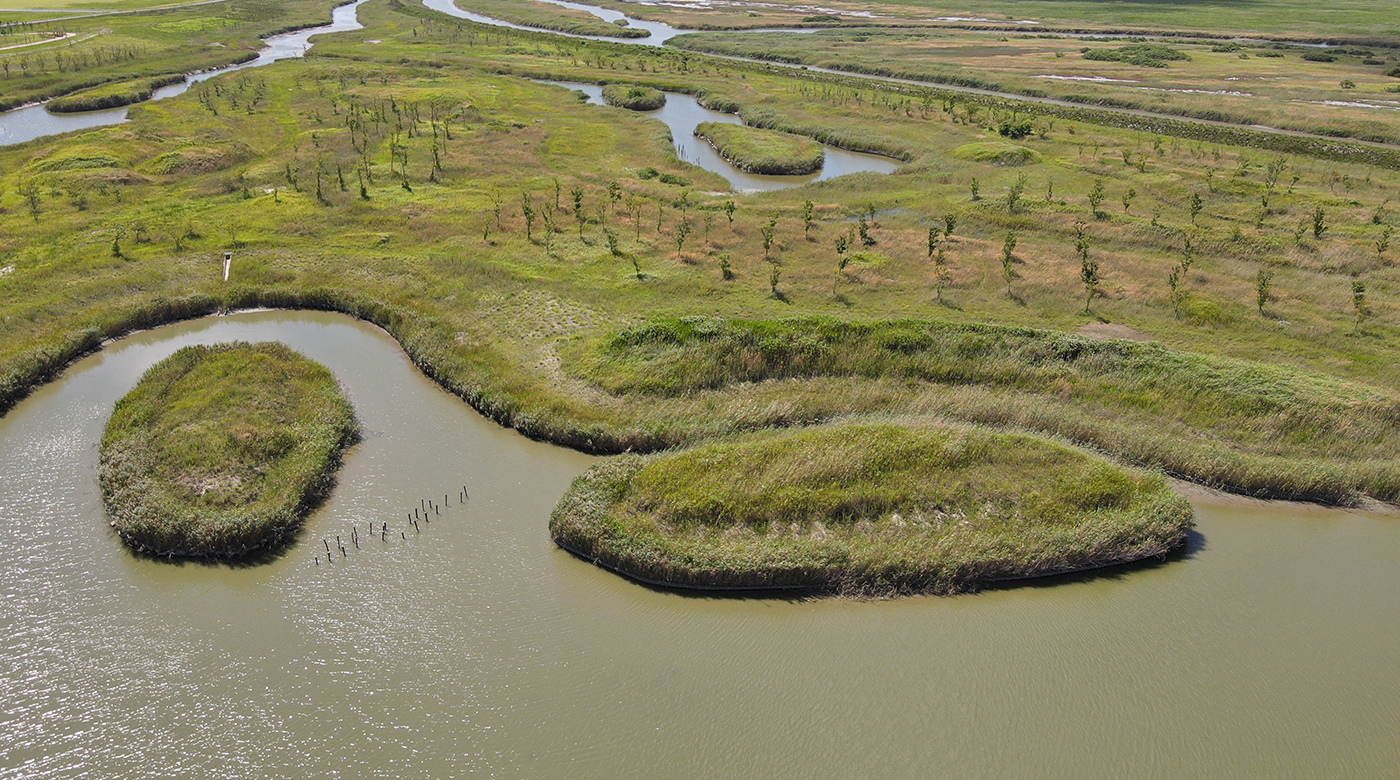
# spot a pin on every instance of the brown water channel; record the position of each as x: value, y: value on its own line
x: 1271, y: 650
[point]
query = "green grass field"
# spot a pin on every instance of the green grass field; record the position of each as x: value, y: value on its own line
x: 85, y: 6
x: 111, y: 49
x: 424, y: 184
x: 220, y: 450
x: 1247, y: 84
x: 1296, y: 18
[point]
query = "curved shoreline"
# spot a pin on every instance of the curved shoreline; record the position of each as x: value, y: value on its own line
x: 922, y: 506
x: 486, y: 392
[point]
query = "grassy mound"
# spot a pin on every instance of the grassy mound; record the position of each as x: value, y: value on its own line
x: 121, y: 93
x: 873, y: 508
x: 220, y: 450
x: 1248, y: 427
x: 997, y: 153
x: 633, y: 97
x: 762, y: 151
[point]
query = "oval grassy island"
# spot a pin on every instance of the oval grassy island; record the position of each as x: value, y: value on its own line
x: 220, y: 450
x: 762, y: 151
x: 634, y: 97
x: 866, y: 509
x: 113, y: 95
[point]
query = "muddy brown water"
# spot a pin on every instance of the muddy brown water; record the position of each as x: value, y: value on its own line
x: 1272, y: 649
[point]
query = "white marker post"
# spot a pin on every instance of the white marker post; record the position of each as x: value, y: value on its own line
x: 228, y: 261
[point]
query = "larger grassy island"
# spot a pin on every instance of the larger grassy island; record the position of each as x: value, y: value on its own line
x: 757, y: 150
x: 220, y: 450
x: 867, y: 508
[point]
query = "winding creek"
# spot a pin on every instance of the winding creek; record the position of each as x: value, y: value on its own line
x: 30, y: 122
x: 1272, y: 649
x: 683, y: 112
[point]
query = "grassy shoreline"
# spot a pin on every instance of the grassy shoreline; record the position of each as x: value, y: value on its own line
x: 219, y: 451
x: 148, y: 44
x: 114, y: 95
x: 633, y: 97
x: 126, y: 228
x: 762, y: 151
x: 546, y: 16
x: 866, y: 508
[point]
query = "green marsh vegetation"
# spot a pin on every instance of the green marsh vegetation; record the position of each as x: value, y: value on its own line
x: 389, y: 180
x: 129, y: 49
x: 547, y: 16
x: 633, y: 97
x: 220, y: 450
x: 121, y: 93
x: 757, y: 150
x: 1247, y: 84
x: 867, y: 508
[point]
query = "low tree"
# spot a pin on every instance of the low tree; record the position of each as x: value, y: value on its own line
x: 1176, y: 281
x: 1008, y: 261
x: 1262, y: 283
x: 941, y: 275
x: 1197, y: 203
x: 808, y: 212
x: 767, y: 232
x: 1014, y: 192
x: 527, y: 210
x: 950, y: 223
x: 549, y: 228
x: 682, y: 233
x: 1319, y: 222
x: 1128, y: 200
x: 1096, y: 196
x: 1358, y: 301
x: 1383, y: 243
x: 614, y: 193
x: 579, y: 215
x: 32, y: 198
x: 1088, y: 267
x: 976, y: 188
x: 729, y: 208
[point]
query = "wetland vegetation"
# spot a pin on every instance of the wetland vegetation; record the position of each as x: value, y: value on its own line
x: 220, y: 450
x: 877, y: 507
x: 633, y: 97
x: 757, y: 150
x: 545, y: 260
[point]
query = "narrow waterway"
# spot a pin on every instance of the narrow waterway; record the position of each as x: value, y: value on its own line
x: 30, y: 122
x: 682, y: 113
x: 478, y: 648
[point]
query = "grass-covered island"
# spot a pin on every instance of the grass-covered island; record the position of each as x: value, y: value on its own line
x: 757, y: 150
x: 872, y: 508
x: 114, y: 95
x: 220, y: 450
x: 633, y: 97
